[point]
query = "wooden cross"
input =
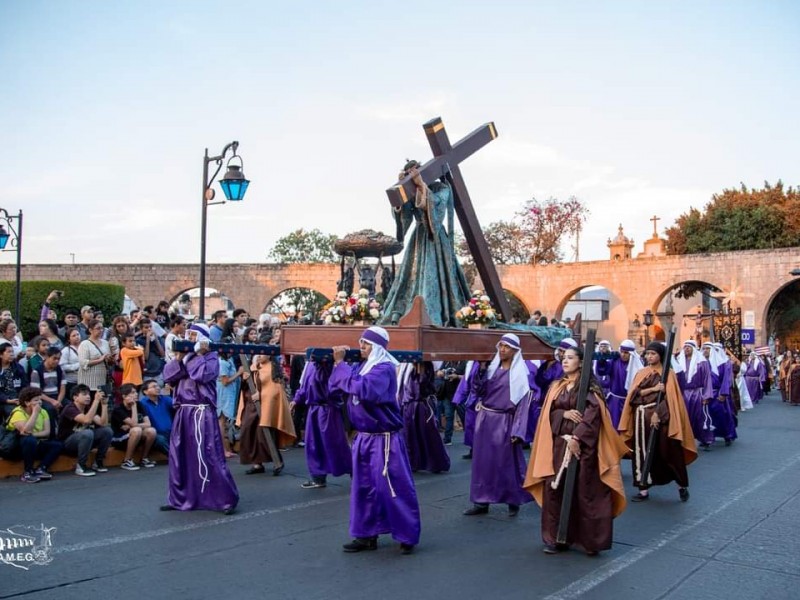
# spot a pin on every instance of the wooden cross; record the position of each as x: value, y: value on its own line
x: 445, y: 161
x: 655, y: 220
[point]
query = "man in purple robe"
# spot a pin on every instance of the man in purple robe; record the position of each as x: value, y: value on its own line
x: 199, y: 479
x: 621, y: 372
x: 417, y: 397
x: 601, y: 367
x: 327, y: 450
x: 754, y: 376
x: 552, y: 370
x: 694, y: 378
x: 464, y: 397
x: 498, y: 464
x: 721, y: 408
x: 536, y: 400
x: 383, y: 498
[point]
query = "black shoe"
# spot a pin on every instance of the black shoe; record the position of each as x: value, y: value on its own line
x: 513, y: 510
x: 728, y: 442
x: 406, y: 548
x: 477, y: 509
x: 640, y: 497
x: 467, y: 456
x: 684, y: 494
x: 277, y: 471
x: 550, y: 549
x: 359, y: 544
x: 229, y: 511
x: 166, y: 507
x: 706, y: 447
x: 254, y: 470
x: 313, y: 485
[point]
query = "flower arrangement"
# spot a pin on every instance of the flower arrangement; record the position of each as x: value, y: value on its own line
x: 479, y: 310
x: 358, y: 307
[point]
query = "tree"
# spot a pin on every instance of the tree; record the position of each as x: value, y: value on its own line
x: 295, y: 300
x: 743, y: 219
x: 303, y: 246
x: 535, y: 233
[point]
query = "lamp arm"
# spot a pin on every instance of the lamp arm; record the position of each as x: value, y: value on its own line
x: 219, y: 159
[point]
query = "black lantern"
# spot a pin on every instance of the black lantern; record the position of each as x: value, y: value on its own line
x: 648, y: 318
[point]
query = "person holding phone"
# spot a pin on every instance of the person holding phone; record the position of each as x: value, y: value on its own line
x: 95, y: 356
x: 83, y: 425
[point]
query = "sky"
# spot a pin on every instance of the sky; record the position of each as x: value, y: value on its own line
x: 637, y: 109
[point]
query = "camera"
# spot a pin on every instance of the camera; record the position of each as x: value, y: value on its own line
x: 449, y: 371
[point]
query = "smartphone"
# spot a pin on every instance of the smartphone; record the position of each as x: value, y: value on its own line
x: 106, y: 389
x: 59, y: 293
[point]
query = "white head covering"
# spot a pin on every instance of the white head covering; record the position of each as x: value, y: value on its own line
x: 757, y: 362
x: 202, y: 332
x: 720, y: 350
x: 517, y: 374
x: 697, y: 358
x: 634, y: 362
x: 713, y: 359
x: 378, y: 338
x: 565, y: 345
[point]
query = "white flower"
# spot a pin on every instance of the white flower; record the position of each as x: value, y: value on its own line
x: 485, y: 298
x: 477, y: 293
x: 374, y: 313
x: 328, y: 320
x: 363, y: 292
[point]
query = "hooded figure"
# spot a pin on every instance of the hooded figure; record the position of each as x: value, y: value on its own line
x: 621, y: 374
x: 498, y: 464
x: 694, y: 378
x: 721, y: 407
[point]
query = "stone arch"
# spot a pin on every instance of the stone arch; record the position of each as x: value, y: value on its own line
x: 190, y: 309
x: 669, y: 309
x: 615, y: 319
x: 782, y: 308
x: 286, y: 301
x: 518, y: 308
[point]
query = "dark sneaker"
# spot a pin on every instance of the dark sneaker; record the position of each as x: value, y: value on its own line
x: 147, y: 463
x: 467, y: 456
x: 406, y: 548
x: 359, y: 544
x: 84, y: 471
x: 99, y: 467
x: 513, y: 510
x: 684, y: 494
x: 129, y: 465
x: 313, y: 485
x: 43, y: 474
x: 477, y: 509
x: 640, y: 497
x: 29, y: 477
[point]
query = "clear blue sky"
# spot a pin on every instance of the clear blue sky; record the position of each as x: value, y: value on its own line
x: 635, y: 108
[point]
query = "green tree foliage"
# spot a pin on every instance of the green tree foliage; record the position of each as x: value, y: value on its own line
x: 303, y: 246
x: 739, y: 219
x: 106, y: 297
x: 296, y: 300
x: 535, y: 233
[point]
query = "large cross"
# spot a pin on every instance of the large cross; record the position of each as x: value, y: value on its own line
x: 655, y: 220
x: 445, y: 161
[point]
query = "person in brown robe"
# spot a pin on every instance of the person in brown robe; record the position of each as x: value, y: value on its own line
x: 599, y: 495
x: 270, y: 416
x: 794, y: 382
x: 641, y: 418
x: 783, y: 374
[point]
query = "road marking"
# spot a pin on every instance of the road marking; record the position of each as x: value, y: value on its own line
x: 226, y: 520
x: 598, y: 576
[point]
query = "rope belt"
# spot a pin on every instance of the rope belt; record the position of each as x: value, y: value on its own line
x: 708, y: 424
x: 641, y: 440
x: 564, y: 463
x: 480, y: 406
x: 197, y: 417
x: 387, y: 450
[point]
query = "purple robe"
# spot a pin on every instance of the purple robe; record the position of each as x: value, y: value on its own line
x: 616, y: 391
x: 695, y: 392
x: 382, y: 497
x: 426, y: 451
x: 498, y: 465
x: 327, y: 450
x: 465, y: 397
x: 199, y: 478
x: 535, y: 403
x: 754, y: 378
x: 721, y: 408
x: 602, y: 371
x: 548, y: 373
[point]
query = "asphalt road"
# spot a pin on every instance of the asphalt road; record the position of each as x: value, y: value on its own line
x: 737, y: 537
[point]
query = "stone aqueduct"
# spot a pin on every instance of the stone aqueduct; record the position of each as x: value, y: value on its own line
x: 639, y: 283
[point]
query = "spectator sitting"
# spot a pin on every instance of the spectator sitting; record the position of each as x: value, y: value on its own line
x: 12, y: 380
x: 49, y: 378
x: 83, y: 425
x: 34, y: 427
x: 131, y: 359
x: 160, y: 411
x: 49, y: 330
x: 70, y: 362
x: 148, y: 341
x: 87, y: 315
x: 131, y: 426
x: 71, y: 318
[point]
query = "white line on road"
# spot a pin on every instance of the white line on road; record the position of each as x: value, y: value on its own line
x: 598, y: 576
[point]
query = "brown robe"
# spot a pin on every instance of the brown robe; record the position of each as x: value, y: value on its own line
x: 599, y: 494
x: 275, y: 414
x: 794, y: 384
x: 675, y: 447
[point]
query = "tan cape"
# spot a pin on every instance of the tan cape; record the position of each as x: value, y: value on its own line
x: 610, y: 449
x: 275, y: 411
x: 680, y: 428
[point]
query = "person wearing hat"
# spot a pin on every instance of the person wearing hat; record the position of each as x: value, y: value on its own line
x: 551, y: 370
x: 199, y: 478
x: 641, y: 418
x: 498, y: 464
x: 383, y: 498
x: 755, y: 374
x: 694, y: 378
x: 620, y: 376
x: 589, y: 437
x: 87, y: 315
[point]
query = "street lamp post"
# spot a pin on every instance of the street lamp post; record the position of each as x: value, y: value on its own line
x: 648, y: 320
x: 6, y: 232
x: 234, y: 185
